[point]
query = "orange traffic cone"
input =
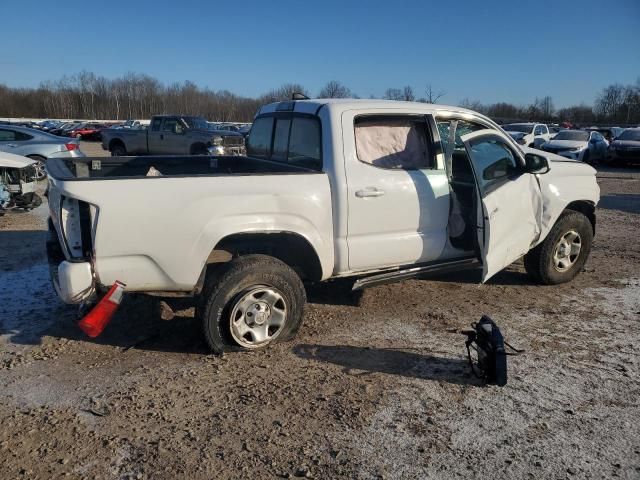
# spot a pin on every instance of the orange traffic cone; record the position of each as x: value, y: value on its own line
x: 97, y: 319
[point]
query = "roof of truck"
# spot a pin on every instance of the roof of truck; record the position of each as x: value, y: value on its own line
x: 344, y: 104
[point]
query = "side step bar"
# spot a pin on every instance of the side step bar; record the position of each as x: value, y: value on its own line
x: 403, y: 274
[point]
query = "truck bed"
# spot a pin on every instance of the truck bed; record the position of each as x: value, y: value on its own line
x: 155, y: 233
x: 97, y: 168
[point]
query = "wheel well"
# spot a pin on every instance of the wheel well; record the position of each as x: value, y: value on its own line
x: 116, y: 141
x: 587, y: 208
x: 291, y: 248
x: 198, y: 147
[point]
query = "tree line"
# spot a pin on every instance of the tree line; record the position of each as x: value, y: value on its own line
x: 134, y: 95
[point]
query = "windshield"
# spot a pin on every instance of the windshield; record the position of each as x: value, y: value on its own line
x: 630, y: 135
x: 518, y: 127
x: 198, y: 123
x: 576, y: 135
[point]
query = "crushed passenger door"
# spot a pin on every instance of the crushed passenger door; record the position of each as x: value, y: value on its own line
x: 510, y: 201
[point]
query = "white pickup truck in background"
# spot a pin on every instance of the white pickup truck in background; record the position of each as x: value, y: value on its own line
x: 375, y: 190
x: 528, y: 134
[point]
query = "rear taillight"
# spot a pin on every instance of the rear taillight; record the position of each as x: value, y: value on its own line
x: 72, y: 146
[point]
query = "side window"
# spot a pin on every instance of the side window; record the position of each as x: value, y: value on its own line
x: 292, y: 139
x: 538, y: 130
x: 7, y: 135
x: 463, y: 127
x: 259, y: 139
x: 304, y: 143
x: 393, y: 142
x: 155, y: 126
x: 21, y: 136
x: 545, y: 129
x: 169, y: 125
x: 281, y: 139
x: 493, y: 161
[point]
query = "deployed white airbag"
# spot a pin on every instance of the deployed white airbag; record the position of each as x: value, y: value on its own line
x: 391, y: 144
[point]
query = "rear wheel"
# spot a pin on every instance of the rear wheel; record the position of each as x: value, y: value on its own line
x: 561, y: 256
x: 118, y: 150
x: 250, y: 303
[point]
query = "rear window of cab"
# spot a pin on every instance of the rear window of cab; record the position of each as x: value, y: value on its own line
x: 290, y: 138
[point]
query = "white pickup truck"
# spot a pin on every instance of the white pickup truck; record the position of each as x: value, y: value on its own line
x: 374, y: 190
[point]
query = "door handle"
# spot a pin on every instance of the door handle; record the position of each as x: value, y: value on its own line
x: 161, y: 136
x: 11, y: 145
x: 369, y: 192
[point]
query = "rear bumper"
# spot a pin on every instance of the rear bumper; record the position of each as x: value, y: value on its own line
x: 72, y: 281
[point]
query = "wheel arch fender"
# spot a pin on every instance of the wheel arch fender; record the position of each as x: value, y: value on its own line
x: 116, y: 141
x: 291, y: 238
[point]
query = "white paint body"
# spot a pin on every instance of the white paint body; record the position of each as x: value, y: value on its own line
x: 539, y: 135
x: 156, y: 233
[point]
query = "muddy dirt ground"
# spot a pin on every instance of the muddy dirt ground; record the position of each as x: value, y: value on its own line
x: 375, y: 386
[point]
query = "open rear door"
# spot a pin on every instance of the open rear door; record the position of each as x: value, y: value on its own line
x: 509, y: 203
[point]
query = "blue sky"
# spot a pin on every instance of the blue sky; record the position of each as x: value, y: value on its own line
x: 486, y: 50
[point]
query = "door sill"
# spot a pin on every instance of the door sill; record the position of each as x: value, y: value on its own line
x: 413, y: 271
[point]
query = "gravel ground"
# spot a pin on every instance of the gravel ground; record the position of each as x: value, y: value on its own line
x: 374, y: 386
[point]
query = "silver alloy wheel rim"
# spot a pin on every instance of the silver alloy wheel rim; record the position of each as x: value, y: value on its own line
x: 567, y: 251
x: 258, y: 316
x: 40, y: 171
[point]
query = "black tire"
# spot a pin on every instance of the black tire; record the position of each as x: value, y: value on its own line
x: 118, y: 150
x: 226, y: 288
x: 539, y: 262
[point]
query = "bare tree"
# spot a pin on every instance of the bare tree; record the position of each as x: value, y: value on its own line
x: 609, y: 101
x: 335, y: 89
x: 471, y: 104
x: 408, y: 95
x: 393, y: 94
x: 431, y: 96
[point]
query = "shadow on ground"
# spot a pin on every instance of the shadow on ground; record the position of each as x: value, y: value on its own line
x: 623, y: 202
x: 365, y: 360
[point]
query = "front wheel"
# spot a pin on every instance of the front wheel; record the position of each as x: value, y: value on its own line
x: 560, y: 257
x: 250, y: 303
x: 40, y: 173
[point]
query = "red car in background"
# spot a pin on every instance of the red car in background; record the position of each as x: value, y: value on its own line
x: 87, y: 131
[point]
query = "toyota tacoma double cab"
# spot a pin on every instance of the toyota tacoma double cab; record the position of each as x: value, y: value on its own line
x: 373, y: 190
x: 172, y: 135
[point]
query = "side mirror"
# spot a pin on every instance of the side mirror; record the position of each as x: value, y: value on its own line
x: 178, y: 130
x: 536, y: 163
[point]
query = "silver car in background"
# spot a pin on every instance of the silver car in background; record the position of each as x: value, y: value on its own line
x: 37, y: 145
x: 578, y: 145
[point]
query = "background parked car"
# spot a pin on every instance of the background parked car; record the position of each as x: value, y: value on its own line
x: 578, y: 145
x: 87, y: 131
x: 609, y: 133
x: 62, y: 129
x: 625, y: 148
x: 528, y: 134
x: 37, y: 145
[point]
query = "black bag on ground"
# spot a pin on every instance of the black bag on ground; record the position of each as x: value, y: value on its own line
x: 487, y: 341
